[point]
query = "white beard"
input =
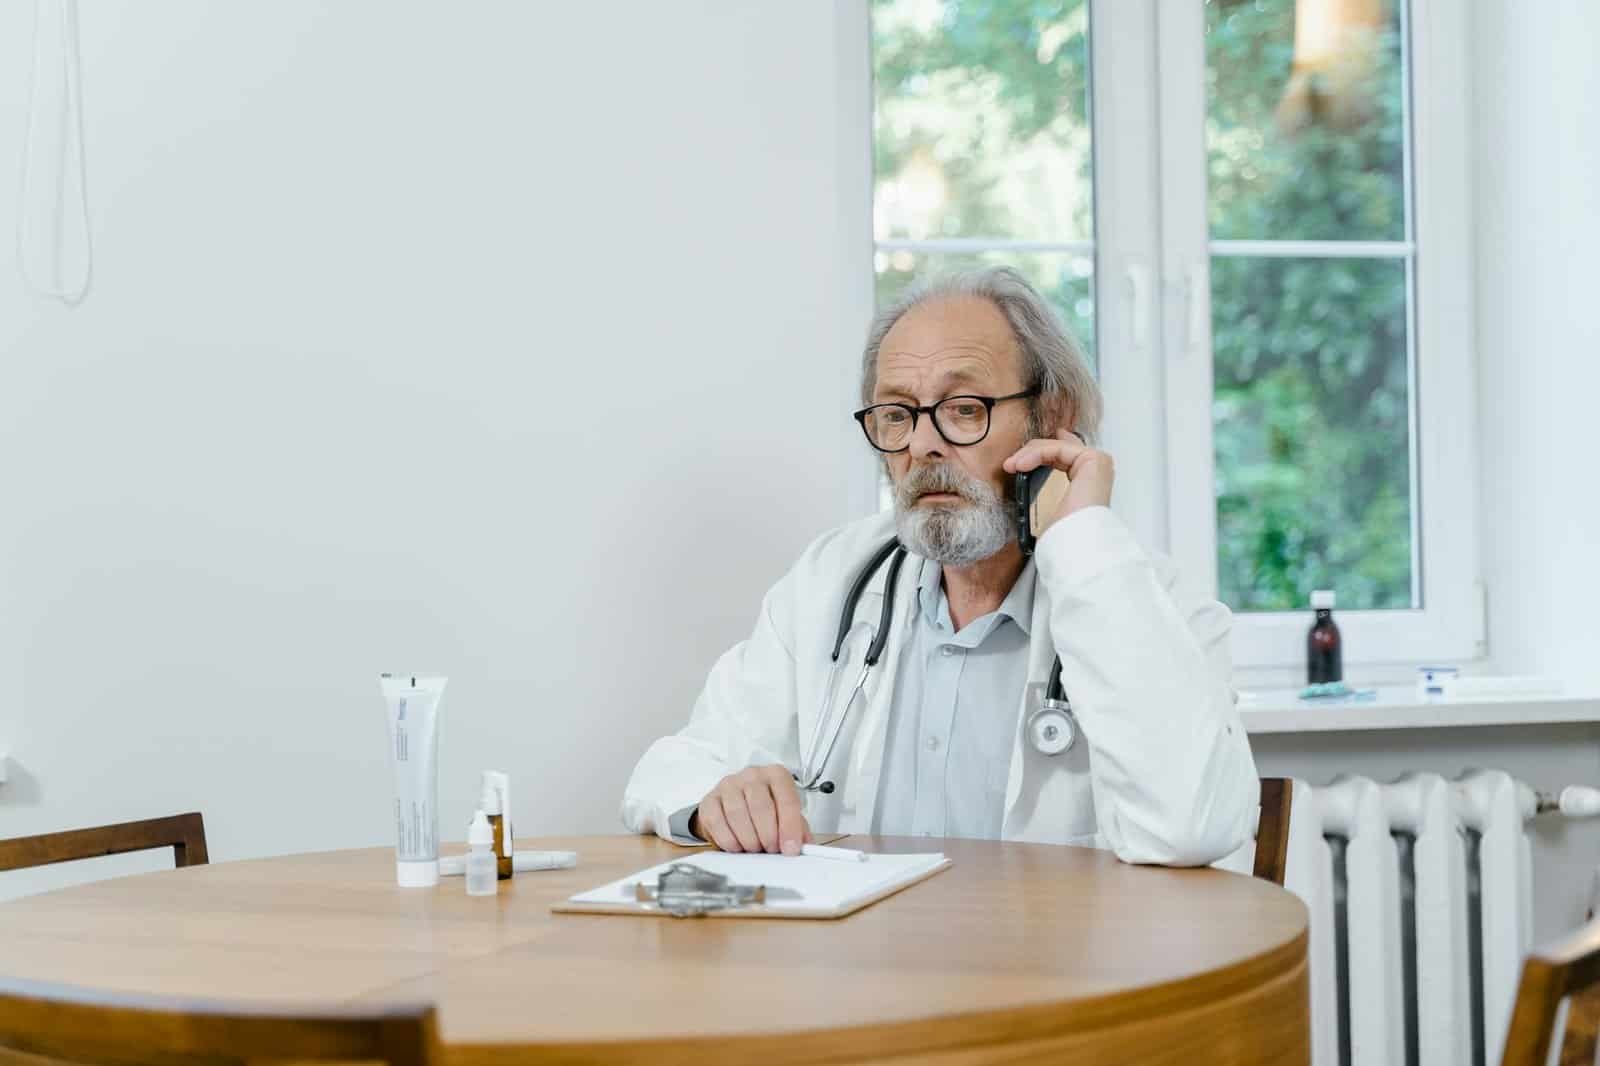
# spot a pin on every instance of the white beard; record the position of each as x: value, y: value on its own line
x: 953, y: 534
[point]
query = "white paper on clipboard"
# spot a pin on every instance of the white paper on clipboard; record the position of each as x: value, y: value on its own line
x: 827, y: 888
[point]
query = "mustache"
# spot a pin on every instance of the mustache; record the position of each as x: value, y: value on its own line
x: 941, y: 477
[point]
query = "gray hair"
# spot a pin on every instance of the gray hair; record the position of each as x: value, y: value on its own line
x: 1052, y: 358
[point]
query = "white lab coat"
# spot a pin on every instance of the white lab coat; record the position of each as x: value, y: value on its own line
x: 1162, y: 772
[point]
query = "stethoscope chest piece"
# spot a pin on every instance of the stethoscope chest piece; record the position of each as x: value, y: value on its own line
x: 1051, y: 729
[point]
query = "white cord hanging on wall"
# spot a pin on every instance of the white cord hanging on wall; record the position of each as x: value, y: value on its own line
x: 54, y: 250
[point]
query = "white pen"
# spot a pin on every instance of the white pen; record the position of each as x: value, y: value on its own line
x: 521, y: 862
x: 819, y: 851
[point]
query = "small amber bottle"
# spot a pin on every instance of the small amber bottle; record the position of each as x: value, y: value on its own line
x: 495, y: 800
x: 1324, y: 654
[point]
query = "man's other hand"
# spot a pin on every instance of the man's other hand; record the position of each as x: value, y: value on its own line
x: 756, y: 809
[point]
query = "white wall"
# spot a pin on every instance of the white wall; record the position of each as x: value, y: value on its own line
x: 502, y: 341
x: 1537, y: 107
x: 1538, y: 258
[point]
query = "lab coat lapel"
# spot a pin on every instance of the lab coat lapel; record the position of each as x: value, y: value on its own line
x: 866, y: 752
x: 1041, y: 657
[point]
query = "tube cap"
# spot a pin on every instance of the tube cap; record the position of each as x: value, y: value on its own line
x: 1322, y: 599
x: 420, y: 874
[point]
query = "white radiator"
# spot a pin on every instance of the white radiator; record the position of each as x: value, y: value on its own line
x: 1420, y: 900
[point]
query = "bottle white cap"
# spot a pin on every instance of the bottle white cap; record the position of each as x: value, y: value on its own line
x: 423, y: 873
x: 489, y: 793
x: 1322, y: 599
x: 479, y: 834
x: 494, y: 796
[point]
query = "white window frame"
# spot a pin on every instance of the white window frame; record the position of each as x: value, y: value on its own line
x: 1449, y: 625
x: 1153, y: 327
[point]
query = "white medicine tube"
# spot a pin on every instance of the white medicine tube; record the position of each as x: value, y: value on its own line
x: 413, y: 704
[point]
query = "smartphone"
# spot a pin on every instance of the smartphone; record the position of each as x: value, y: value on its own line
x: 1034, y: 496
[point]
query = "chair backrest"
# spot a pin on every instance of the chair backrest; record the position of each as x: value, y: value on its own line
x: 185, y: 834
x: 1272, y: 832
x: 76, y: 1025
x: 1568, y: 967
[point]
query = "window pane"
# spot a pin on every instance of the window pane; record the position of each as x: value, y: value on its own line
x: 981, y: 119
x: 1067, y: 281
x: 1305, y: 126
x: 1312, y: 406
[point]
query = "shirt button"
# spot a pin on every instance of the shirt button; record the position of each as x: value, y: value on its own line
x: 949, y: 649
x: 933, y: 743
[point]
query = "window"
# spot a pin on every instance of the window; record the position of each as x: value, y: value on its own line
x: 1311, y: 258
x: 982, y: 146
x: 1251, y: 212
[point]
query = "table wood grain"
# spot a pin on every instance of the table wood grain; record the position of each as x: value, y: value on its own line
x: 1022, y: 952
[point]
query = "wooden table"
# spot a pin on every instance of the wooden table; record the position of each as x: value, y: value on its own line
x: 1031, y: 952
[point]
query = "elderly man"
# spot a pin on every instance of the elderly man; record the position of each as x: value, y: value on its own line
x: 917, y: 712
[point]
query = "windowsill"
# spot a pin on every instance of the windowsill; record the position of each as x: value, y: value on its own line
x: 1397, y: 707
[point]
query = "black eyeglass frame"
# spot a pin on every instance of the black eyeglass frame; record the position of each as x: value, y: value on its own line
x: 932, y: 412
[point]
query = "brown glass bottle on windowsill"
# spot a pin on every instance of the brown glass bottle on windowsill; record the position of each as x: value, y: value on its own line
x: 1324, y: 654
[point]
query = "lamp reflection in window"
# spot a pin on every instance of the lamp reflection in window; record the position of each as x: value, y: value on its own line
x: 1332, y: 80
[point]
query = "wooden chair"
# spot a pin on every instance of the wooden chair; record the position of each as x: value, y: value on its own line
x: 185, y: 834
x: 1272, y: 832
x: 1568, y: 967
x: 75, y: 1025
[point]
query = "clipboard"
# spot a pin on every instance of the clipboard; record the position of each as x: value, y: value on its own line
x: 715, y: 884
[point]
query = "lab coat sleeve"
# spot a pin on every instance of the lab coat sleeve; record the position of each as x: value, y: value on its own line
x: 1148, y: 670
x: 745, y: 716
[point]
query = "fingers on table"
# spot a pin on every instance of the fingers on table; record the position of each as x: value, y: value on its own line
x: 792, y: 828
x: 758, y: 810
x: 763, y: 814
x: 714, y: 824
x: 736, y: 810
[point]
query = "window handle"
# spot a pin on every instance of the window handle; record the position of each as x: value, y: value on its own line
x: 1138, y: 280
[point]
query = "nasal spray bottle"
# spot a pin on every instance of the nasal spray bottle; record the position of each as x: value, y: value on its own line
x: 495, y: 801
x: 481, y: 880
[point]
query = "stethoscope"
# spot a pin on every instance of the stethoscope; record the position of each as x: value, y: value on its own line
x: 1051, y: 728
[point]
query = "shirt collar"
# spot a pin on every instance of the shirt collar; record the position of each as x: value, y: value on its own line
x: 1017, y: 606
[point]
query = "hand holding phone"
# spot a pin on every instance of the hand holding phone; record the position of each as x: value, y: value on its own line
x: 1043, y: 494
x: 1035, y: 496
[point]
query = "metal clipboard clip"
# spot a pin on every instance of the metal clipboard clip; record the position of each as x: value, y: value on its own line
x: 684, y: 890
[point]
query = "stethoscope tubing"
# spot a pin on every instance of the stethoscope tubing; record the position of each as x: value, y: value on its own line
x: 815, y: 783
x: 809, y: 779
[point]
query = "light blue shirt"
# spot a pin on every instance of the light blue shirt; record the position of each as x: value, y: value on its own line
x: 953, y: 719
x: 954, y: 716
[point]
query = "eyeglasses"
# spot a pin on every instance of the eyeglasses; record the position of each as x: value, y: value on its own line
x: 960, y: 420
